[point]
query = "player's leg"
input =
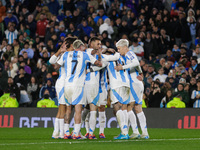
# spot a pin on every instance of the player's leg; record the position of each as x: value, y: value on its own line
x: 85, y: 118
x: 120, y: 118
x: 92, y: 120
x: 77, y: 121
x: 102, y: 120
x: 120, y: 98
x: 101, y: 109
x: 61, y: 120
x: 139, y: 89
x: 56, y: 125
x: 133, y: 121
x: 142, y: 120
x: 67, y: 122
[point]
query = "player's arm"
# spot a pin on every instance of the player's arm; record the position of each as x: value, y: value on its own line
x: 133, y: 63
x: 92, y: 60
x: 114, y: 57
x: 53, y: 59
x: 96, y: 68
x: 61, y: 61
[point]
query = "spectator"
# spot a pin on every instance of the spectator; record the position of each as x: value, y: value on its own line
x: 45, y: 12
x: 137, y: 49
x: 155, y: 96
x: 106, y: 27
x: 10, y: 101
x: 16, y: 47
x: 166, y: 99
x: 10, y: 18
x: 13, y: 88
x: 46, y: 101
x: 2, y: 12
x: 195, y: 97
x: 29, y: 51
x: 33, y: 90
x: 69, y: 5
x: 22, y: 78
x: 195, y: 66
x: 41, y: 26
x: 3, y: 78
x: 27, y: 69
x: 176, y: 102
x: 192, y: 25
x: 11, y: 33
x: 54, y: 7
x: 184, y: 94
x: 31, y: 25
x: 84, y: 28
x: 49, y: 86
x: 9, y: 52
x: 161, y: 76
x: 100, y: 15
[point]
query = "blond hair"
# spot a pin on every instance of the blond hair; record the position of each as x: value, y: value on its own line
x: 122, y: 42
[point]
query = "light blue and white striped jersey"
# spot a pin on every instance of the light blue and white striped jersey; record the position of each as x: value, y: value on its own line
x: 103, y: 79
x: 11, y: 36
x: 118, y: 78
x: 75, y: 67
x: 132, y: 63
x: 193, y: 96
x: 92, y: 77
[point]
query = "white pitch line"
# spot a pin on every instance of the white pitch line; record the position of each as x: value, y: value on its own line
x: 94, y: 141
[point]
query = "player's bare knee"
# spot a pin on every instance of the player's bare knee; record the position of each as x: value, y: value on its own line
x: 138, y: 108
x: 101, y: 108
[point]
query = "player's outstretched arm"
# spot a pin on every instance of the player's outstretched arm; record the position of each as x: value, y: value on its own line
x: 114, y: 57
x: 134, y: 63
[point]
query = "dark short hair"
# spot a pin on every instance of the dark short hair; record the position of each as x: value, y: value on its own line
x: 69, y: 41
x: 93, y: 39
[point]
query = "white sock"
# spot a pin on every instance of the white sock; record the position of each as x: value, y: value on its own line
x: 92, y: 121
x: 61, y: 122
x: 142, y: 121
x: 125, y: 117
x: 121, y: 122
x: 56, y: 125
x: 77, y: 128
x: 133, y: 122
x: 102, y: 120
x: 87, y: 127
x: 85, y: 118
x: 66, y: 128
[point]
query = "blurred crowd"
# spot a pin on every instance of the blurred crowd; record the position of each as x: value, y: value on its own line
x: 164, y: 37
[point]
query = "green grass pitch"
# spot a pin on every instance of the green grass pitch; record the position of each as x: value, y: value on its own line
x: 40, y: 139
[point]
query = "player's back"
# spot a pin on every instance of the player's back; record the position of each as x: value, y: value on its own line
x: 118, y: 78
x: 75, y: 64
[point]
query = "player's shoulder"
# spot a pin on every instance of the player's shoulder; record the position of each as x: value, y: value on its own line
x: 130, y: 54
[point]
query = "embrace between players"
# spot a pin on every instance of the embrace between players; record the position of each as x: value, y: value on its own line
x: 82, y: 83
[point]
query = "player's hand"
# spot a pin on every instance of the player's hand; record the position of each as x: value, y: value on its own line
x: 119, y: 67
x: 111, y: 50
x: 140, y: 77
x: 98, y: 63
x: 197, y: 96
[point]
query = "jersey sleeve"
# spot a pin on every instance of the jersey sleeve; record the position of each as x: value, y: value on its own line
x: 89, y: 58
x: 53, y: 59
x: 132, y: 61
x: 61, y: 60
x: 114, y: 57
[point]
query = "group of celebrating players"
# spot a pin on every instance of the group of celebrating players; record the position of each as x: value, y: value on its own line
x: 83, y: 85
